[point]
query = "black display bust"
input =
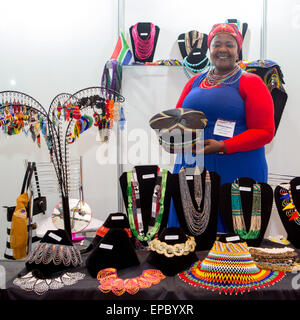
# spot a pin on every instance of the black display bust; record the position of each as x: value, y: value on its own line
x: 246, y: 200
x: 170, y: 266
x: 291, y: 227
x: 205, y: 240
x: 146, y: 176
x: 143, y: 29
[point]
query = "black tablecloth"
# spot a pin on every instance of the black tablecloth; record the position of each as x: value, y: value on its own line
x: 171, y: 288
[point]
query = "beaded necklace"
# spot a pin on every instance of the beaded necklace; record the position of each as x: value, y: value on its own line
x: 134, y: 205
x: 192, y: 40
x: 196, y: 219
x: 191, y: 66
x: 289, y: 205
x: 143, y: 47
x: 214, y: 80
x: 109, y: 281
x: 237, y: 212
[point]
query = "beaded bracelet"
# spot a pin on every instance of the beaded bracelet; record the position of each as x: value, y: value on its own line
x: 178, y: 249
x: 109, y: 281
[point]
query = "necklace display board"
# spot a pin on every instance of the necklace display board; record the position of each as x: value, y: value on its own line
x: 254, y: 211
x: 114, y: 220
x: 287, y: 199
x: 144, y: 37
x: 195, y: 198
x: 146, y: 180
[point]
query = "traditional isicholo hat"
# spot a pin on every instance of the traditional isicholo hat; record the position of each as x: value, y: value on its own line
x: 229, y: 268
x: 179, y: 130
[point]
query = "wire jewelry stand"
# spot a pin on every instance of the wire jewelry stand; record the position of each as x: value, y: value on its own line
x: 19, y: 111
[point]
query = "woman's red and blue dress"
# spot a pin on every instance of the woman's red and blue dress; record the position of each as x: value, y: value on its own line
x: 245, y: 102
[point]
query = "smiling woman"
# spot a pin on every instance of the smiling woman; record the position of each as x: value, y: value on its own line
x: 239, y: 110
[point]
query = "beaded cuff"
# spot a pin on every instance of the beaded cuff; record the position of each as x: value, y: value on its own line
x: 58, y: 254
x: 178, y: 249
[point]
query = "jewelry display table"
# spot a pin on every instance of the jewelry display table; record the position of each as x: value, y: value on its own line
x: 171, y: 288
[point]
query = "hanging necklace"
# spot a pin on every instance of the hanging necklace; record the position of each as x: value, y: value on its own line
x: 196, y: 219
x: 143, y: 47
x: 214, y: 80
x: 237, y: 212
x: 134, y: 205
x: 289, y: 205
x: 192, y: 40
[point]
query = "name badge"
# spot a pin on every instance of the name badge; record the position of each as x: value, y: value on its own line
x: 224, y: 128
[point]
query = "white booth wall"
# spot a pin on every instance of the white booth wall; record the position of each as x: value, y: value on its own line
x: 62, y: 46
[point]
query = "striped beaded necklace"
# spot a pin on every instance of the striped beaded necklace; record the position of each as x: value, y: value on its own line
x: 237, y: 212
x: 134, y: 205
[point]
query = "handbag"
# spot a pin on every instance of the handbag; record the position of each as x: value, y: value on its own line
x: 17, y: 229
x: 40, y: 203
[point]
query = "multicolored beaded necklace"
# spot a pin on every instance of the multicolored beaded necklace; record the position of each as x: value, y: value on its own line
x: 134, y: 204
x: 143, y: 47
x: 289, y: 206
x: 214, y: 80
x: 237, y: 212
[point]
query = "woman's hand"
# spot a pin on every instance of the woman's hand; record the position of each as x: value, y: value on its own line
x: 214, y: 146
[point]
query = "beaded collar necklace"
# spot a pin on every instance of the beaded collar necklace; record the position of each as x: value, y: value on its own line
x: 289, y: 206
x: 143, y: 47
x: 196, y: 219
x: 134, y: 204
x: 214, y: 80
x: 237, y: 212
x: 110, y: 281
x: 192, y: 40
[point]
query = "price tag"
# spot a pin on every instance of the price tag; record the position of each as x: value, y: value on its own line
x: 189, y: 177
x: 297, y: 187
x: 106, y: 246
x: 245, y: 188
x: 143, y: 34
x: 234, y: 238
x: 172, y: 237
x: 117, y: 218
x: 148, y: 176
x: 54, y: 236
x: 224, y: 128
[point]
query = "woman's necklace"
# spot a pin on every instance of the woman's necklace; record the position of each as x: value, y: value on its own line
x: 134, y: 205
x: 143, y: 47
x: 238, y: 216
x: 196, y: 219
x: 214, y: 80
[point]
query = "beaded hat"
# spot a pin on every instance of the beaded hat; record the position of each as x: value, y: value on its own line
x: 230, y: 28
x: 229, y: 268
x: 54, y: 253
x: 179, y: 130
